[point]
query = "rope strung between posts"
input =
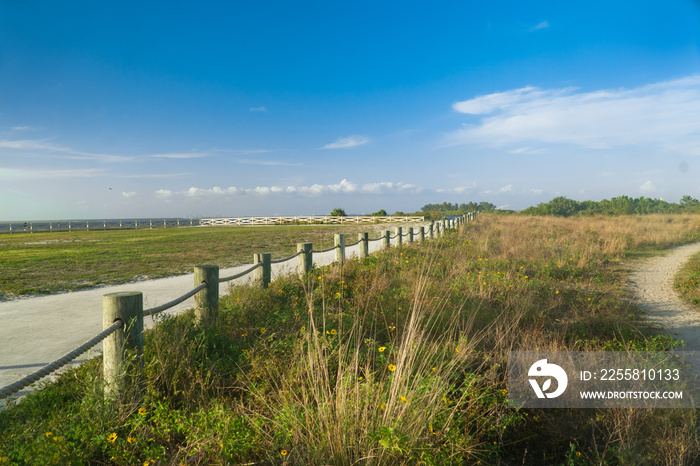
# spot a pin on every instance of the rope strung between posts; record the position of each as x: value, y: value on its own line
x: 353, y: 244
x: 57, y: 364
x: 285, y: 259
x: 325, y: 250
x: 174, y: 302
x: 240, y: 274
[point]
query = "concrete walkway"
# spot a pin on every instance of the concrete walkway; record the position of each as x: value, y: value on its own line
x: 36, y: 331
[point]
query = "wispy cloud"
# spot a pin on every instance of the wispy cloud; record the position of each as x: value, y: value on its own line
x: 32, y: 174
x: 67, y: 152
x: 542, y: 25
x: 270, y: 163
x: 665, y: 116
x: 180, y: 155
x: 29, y: 144
x: 155, y: 175
x: 258, y: 109
x: 128, y: 194
x: 347, y: 143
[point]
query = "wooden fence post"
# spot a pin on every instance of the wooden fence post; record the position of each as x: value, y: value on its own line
x: 118, y: 368
x: 263, y: 275
x: 305, y: 260
x: 206, y: 301
x: 399, y: 235
x: 410, y: 235
x: 386, y: 239
x: 421, y: 234
x: 339, y: 240
x: 364, y: 245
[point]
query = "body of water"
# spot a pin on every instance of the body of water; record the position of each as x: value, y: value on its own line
x: 95, y: 224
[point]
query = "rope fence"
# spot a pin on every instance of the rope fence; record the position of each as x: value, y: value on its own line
x: 124, y: 310
x: 57, y: 364
x: 285, y: 259
x: 320, y: 251
x: 173, y: 303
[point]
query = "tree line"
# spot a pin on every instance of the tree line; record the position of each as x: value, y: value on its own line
x: 559, y: 206
x: 621, y: 205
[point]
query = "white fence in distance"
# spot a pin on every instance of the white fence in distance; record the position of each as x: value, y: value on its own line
x: 311, y: 219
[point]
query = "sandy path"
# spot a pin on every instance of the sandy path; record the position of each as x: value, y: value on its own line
x: 652, y: 284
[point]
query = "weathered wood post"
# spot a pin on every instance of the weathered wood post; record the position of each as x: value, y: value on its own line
x: 431, y: 231
x: 399, y: 236
x: 410, y: 235
x: 263, y: 275
x: 305, y: 260
x: 120, y: 347
x: 386, y: 239
x: 364, y: 245
x: 421, y: 234
x: 339, y: 240
x: 206, y: 301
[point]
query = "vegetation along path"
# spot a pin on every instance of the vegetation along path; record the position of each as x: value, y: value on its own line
x: 652, y: 284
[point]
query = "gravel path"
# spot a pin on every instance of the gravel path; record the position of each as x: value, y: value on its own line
x: 652, y: 284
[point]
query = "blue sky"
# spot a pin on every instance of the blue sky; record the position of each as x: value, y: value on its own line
x: 228, y: 108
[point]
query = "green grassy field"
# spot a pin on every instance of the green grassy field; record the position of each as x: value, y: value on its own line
x: 65, y: 261
x: 396, y: 359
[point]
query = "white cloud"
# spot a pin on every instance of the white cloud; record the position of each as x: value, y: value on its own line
x: 506, y: 189
x: 647, y: 187
x: 348, y: 142
x: 389, y: 187
x: 542, y: 25
x: 458, y: 189
x: 258, y: 109
x: 343, y: 187
x: 664, y: 116
x: 536, y: 191
x: 129, y: 194
x: 164, y: 193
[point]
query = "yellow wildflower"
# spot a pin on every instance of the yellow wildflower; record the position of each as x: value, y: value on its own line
x: 111, y: 438
x: 392, y: 367
x: 283, y: 453
x: 382, y: 348
x: 142, y: 411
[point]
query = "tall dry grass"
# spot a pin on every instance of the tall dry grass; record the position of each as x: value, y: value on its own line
x: 396, y: 359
